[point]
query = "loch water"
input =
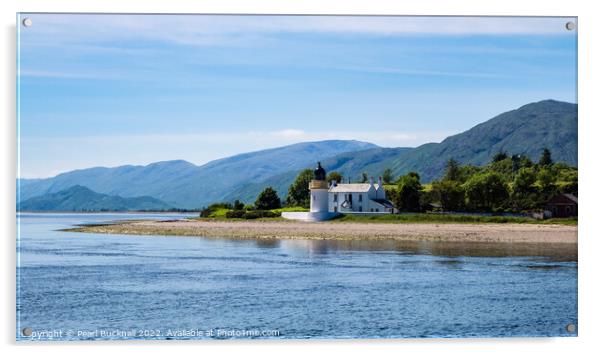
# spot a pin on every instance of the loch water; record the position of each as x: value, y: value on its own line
x: 76, y: 286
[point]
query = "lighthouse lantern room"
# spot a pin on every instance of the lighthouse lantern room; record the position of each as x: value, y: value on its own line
x: 318, y: 188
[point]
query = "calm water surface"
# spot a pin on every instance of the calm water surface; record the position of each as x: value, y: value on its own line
x: 73, y: 286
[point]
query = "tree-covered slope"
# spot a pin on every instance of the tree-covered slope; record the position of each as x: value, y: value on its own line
x: 524, y: 131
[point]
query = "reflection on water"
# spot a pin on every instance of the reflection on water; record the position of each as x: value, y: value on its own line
x: 267, y: 243
x: 302, y: 288
x: 557, y: 252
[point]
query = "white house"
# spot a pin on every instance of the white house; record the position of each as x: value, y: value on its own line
x: 359, y: 198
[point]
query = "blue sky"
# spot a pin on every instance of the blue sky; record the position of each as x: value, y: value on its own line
x: 109, y: 90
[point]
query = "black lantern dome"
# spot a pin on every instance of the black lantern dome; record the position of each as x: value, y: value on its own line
x: 319, y: 173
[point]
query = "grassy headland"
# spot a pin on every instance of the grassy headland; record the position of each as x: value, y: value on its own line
x: 222, y: 214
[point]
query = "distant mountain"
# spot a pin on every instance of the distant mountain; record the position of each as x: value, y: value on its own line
x: 78, y: 198
x: 349, y: 164
x: 184, y: 185
x: 525, y: 131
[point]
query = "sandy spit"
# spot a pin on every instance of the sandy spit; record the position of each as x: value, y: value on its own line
x: 531, y: 233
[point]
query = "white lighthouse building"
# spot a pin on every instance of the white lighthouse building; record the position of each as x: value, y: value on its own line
x: 329, y: 200
x: 318, y: 190
x: 318, y: 200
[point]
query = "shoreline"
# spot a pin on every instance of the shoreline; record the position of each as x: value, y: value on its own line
x: 444, y: 232
x: 39, y: 212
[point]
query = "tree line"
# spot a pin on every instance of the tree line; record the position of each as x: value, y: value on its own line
x: 508, y: 183
x: 298, y: 196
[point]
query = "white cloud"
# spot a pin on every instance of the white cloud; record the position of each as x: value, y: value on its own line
x: 68, y: 75
x: 246, y: 29
x: 396, y: 71
x: 288, y: 133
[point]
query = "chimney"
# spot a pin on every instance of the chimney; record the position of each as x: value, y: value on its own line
x: 333, y: 183
x: 371, y: 180
x: 380, y: 182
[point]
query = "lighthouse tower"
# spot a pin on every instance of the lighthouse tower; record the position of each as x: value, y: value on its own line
x: 318, y: 200
x: 318, y: 188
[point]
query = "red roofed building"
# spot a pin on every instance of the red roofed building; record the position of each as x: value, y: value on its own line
x: 562, y: 206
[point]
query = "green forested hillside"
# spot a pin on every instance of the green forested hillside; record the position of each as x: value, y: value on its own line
x: 524, y: 131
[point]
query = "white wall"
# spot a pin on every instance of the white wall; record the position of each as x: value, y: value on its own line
x: 319, y: 200
x: 355, y: 205
x: 367, y: 205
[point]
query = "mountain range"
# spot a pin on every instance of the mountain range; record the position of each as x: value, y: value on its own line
x: 78, y: 198
x: 526, y: 131
x: 184, y: 185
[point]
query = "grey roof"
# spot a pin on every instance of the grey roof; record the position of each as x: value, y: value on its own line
x: 384, y: 203
x: 562, y: 199
x: 571, y: 197
x: 351, y: 187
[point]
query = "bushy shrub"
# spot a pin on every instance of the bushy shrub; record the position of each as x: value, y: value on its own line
x: 407, y: 196
x: 268, y: 199
x: 211, y: 209
x: 298, y: 192
x: 235, y: 214
x: 256, y: 214
x: 238, y: 205
x: 486, y: 191
x: 450, y: 193
x: 251, y: 214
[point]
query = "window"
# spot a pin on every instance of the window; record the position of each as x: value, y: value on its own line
x: 350, y: 198
x: 360, y: 208
x: 334, y: 198
x: 377, y: 210
x: 359, y: 198
x: 335, y: 208
x: 314, y: 197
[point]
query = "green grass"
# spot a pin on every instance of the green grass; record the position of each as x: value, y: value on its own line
x: 224, y: 218
x: 449, y: 218
x: 427, y: 218
x: 290, y: 209
x: 219, y: 213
